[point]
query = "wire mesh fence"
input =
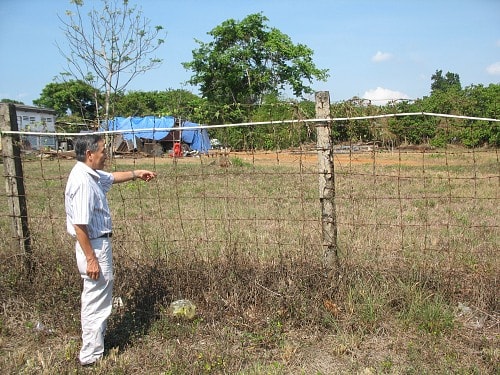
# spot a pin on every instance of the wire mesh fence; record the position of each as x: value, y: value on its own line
x: 396, y: 208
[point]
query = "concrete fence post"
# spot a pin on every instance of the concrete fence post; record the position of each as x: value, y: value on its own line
x: 326, y: 173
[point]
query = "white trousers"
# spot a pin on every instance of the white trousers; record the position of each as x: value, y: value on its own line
x: 96, y: 300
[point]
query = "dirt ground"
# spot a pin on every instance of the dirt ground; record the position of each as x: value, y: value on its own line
x: 289, y: 158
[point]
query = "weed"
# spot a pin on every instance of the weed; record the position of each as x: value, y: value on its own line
x: 209, y: 365
x: 428, y: 312
x: 386, y: 365
x: 238, y: 162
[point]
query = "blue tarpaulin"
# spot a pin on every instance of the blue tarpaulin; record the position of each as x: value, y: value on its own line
x: 197, y: 139
x: 149, y: 122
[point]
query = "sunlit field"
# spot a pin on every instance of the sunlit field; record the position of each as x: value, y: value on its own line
x: 416, y: 289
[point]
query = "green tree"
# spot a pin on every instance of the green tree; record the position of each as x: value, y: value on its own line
x: 352, y: 130
x: 280, y: 135
x: 135, y: 103
x: 447, y: 98
x: 481, y: 101
x: 74, y: 97
x: 110, y: 47
x: 411, y: 129
x: 247, y: 60
x: 446, y: 94
x: 5, y: 100
x: 181, y: 104
x: 446, y: 82
x: 178, y: 103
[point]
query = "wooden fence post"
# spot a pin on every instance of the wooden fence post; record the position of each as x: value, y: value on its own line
x: 14, y: 184
x: 326, y: 174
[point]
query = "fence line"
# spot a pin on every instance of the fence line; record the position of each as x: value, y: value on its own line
x: 255, y: 123
x: 416, y: 209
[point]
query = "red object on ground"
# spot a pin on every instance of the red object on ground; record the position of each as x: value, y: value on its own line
x: 177, y: 149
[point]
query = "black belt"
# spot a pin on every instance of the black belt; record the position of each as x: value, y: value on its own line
x: 106, y: 235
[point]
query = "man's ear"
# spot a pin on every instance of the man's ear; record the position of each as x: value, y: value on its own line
x: 88, y: 154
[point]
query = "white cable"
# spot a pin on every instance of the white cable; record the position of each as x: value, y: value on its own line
x: 278, y: 122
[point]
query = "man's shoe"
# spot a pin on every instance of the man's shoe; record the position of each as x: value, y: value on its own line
x: 90, y: 364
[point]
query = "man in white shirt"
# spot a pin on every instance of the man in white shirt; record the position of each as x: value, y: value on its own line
x: 88, y: 219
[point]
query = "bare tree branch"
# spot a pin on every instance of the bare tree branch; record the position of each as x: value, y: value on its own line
x: 110, y: 47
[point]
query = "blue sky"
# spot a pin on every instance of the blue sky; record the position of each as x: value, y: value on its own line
x: 374, y: 49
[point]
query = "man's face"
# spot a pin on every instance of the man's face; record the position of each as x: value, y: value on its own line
x: 96, y: 159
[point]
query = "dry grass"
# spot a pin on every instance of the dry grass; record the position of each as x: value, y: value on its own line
x: 418, y: 238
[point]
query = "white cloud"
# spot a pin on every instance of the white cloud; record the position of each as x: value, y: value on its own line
x: 381, y: 56
x: 498, y: 43
x: 381, y: 96
x: 494, y: 69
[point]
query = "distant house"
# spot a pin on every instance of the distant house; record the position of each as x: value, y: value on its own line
x: 35, y: 119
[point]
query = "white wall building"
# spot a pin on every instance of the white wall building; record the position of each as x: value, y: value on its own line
x: 35, y: 119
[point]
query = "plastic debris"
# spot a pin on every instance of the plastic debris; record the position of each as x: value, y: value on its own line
x: 183, y: 308
x: 117, y: 302
x: 40, y: 327
x: 464, y: 309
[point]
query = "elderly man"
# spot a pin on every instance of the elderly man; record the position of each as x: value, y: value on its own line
x: 89, y: 221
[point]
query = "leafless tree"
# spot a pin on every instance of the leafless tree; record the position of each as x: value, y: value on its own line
x: 109, y: 47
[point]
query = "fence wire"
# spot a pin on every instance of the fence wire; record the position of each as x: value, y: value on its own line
x: 405, y: 207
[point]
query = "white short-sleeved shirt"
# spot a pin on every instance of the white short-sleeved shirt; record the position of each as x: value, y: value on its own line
x: 86, y: 202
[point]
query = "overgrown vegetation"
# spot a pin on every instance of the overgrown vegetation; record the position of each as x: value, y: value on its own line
x: 418, y: 292
x: 473, y: 101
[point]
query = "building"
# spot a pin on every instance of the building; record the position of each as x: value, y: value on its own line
x: 35, y: 119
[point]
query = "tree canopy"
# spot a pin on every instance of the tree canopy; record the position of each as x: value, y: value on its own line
x: 450, y: 81
x: 5, y: 100
x: 74, y: 97
x: 247, y: 60
x: 177, y: 103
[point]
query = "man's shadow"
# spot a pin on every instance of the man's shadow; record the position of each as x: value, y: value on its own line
x: 141, y: 307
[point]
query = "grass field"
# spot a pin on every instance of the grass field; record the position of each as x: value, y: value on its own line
x: 240, y: 236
